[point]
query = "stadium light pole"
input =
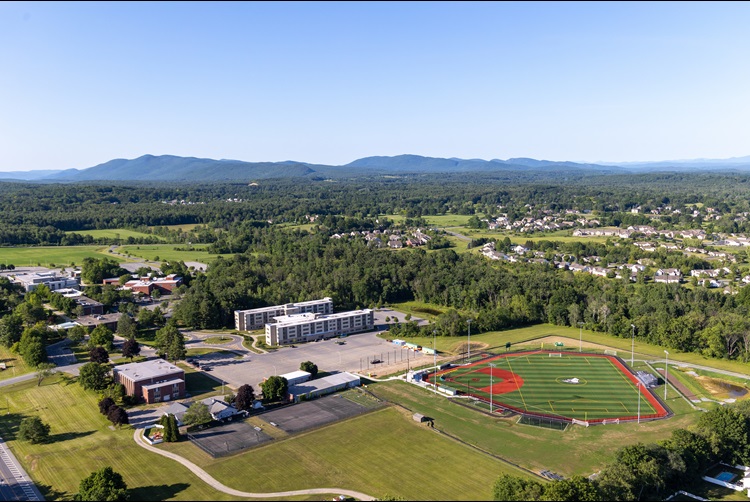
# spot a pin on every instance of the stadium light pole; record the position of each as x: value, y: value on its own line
x: 468, y: 342
x: 666, y: 373
x: 580, y: 336
x: 434, y: 360
x: 632, y: 347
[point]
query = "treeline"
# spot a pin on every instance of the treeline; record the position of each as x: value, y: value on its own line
x: 285, y: 266
x: 41, y: 214
x: 650, y: 471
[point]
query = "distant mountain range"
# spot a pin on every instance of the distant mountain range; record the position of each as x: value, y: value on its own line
x: 190, y: 169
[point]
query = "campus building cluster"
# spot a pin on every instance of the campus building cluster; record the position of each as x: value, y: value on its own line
x: 303, y: 322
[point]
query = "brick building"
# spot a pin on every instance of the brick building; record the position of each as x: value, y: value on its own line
x: 153, y: 381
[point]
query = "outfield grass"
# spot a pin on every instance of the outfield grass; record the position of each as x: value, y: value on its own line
x: 496, y: 340
x: 538, y: 383
x: 81, y: 442
x: 114, y: 233
x: 167, y: 252
x: 49, y: 256
x: 383, y: 452
x: 578, y: 450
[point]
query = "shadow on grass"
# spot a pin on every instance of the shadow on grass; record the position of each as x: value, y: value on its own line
x: 9, y: 425
x: 155, y: 492
x: 65, y: 436
x: 50, y: 493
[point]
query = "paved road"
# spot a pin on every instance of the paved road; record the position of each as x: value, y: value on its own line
x: 459, y: 236
x: 138, y: 435
x: 15, y: 484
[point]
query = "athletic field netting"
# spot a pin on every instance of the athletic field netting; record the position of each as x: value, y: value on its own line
x: 588, y: 387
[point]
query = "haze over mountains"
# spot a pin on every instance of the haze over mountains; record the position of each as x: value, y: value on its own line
x: 190, y: 169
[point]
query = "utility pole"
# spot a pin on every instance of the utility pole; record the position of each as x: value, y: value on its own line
x: 468, y: 342
x: 632, y: 347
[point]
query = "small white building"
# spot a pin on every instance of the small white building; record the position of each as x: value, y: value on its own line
x: 296, y: 377
x: 323, y: 386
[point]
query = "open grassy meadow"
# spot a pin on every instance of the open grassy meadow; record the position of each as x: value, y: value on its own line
x: 577, y: 450
x: 82, y: 442
x: 114, y: 233
x: 383, y: 452
x: 52, y: 256
x: 167, y: 252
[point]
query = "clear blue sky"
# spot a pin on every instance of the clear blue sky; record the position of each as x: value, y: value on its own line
x: 83, y: 83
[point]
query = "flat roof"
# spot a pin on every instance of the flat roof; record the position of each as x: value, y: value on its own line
x: 296, y: 374
x: 324, y: 383
x: 147, y: 369
x: 95, y: 320
x: 315, y: 302
x: 163, y: 384
x: 287, y: 320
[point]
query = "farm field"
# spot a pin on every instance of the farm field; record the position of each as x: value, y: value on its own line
x: 577, y: 450
x: 81, y: 442
x: 580, y: 386
x: 51, y: 256
x: 187, y: 227
x: 114, y: 233
x: 369, y: 453
x: 167, y: 252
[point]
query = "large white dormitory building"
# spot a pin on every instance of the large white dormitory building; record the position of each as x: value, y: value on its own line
x: 304, y: 321
x: 246, y: 320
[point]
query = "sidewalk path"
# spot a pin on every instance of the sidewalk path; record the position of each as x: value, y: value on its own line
x: 138, y: 438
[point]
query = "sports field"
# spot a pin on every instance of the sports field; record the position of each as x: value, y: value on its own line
x: 580, y: 386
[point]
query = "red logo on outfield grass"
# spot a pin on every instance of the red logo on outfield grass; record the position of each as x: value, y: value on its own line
x: 507, y: 381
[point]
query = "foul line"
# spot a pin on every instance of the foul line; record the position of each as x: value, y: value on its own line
x: 518, y: 387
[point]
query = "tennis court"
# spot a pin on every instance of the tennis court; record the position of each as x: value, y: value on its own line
x: 581, y: 386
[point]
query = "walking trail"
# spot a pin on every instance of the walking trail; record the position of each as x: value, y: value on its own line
x: 138, y: 438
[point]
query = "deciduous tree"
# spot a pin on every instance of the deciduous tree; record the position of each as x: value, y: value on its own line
x: 94, y: 376
x: 103, y: 485
x: 244, y: 398
x: 33, y: 430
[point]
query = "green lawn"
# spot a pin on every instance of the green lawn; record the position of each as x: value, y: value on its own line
x: 13, y: 362
x: 167, y: 252
x: 217, y: 340
x: 198, y: 383
x: 49, y: 256
x: 577, y: 450
x: 383, y: 452
x: 114, y: 233
x: 81, y: 442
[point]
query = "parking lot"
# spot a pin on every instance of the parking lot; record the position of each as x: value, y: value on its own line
x: 354, y: 355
